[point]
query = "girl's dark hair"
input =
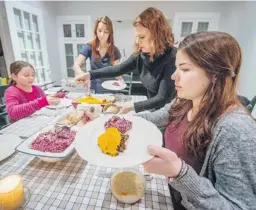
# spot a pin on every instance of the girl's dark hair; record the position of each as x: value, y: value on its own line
x: 16, y: 67
x: 218, y: 54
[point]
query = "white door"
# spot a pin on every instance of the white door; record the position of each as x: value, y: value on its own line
x: 28, y: 38
x: 188, y: 23
x: 74, y: 32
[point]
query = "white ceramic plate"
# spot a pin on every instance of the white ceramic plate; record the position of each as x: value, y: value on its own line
x: 52, y: 90
x: 142, y: 134
x: 64, y: 102
x: 8, y: 143
x: 24, y: 147
x: 109, y: 85
x: 60, y: 119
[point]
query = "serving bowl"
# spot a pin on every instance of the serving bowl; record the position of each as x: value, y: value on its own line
x: 128, y: 185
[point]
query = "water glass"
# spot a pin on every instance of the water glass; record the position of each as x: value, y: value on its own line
x: 61, y: 109
x: 119, y: 98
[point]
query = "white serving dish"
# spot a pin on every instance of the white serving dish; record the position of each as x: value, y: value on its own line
x: 24, y: 147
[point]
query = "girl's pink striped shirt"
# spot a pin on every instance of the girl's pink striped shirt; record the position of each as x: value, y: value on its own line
x: 20, y: 104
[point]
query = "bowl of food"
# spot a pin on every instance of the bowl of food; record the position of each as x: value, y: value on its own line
x: 99, y: 99
x: 111, y: 109
x: 93, y: 108
x: 51, y: 144
x: 128, y: 185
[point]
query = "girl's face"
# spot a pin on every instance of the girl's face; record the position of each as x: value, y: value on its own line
x: 191, y: 81
x: 143, y: 39
x: 102, y: 32
x: 25, y: 77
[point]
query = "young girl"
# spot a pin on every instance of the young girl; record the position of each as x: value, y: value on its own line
x: 23, y: 98
x: 154, y: 59
x: 210, y: 139
x: 101, y: 51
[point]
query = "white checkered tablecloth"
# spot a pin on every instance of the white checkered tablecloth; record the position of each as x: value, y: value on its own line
x: 73, y: 183
x: 28, y: 126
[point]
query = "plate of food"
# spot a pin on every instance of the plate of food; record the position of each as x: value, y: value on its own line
x: 99, y: 99
x: 70, y: 119
x: 78, y: 118
x: 64, y: 102
x: 111, y: 109
x: 113, y: 85
x: 114, y: 141
x: 52, y: 142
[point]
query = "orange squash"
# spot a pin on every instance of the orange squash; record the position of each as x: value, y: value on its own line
x: 109, y: 141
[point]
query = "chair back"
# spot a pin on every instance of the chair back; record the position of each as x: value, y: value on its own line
x: 248, y: 104
x: 128, y: 80
x: 4, y: 119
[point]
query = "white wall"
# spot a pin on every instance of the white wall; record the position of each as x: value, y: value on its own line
x: 129, y: 10
x: 247, y: 39
x: 124, y: 37
x: 230, y: 20
x: 239, y: 21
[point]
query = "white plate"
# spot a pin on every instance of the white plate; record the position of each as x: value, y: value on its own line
x: 62, y: 117
x: 64, y: 102
x: 52, y: 90
x: 86, y: 107
x: 8, y: 143
x: 142, y: 134
x: 24, y: 147
x: 109, y: 85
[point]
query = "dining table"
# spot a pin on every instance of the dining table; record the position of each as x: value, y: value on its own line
x: 73, y: 183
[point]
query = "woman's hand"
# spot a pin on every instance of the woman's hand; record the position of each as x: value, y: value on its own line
x: 164, y: 163
x: 87, y: 117
x: 52, y: 100
x: 84, y: 78
x: 126, y: 108
x: 120, y: 79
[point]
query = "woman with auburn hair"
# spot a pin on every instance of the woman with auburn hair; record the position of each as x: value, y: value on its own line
x: 101, y: 51
x: 154, y: 60
x: 210, y: 142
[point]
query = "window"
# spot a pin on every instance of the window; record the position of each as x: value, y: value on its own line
x: 188, y: 23
x: 29, y: 42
